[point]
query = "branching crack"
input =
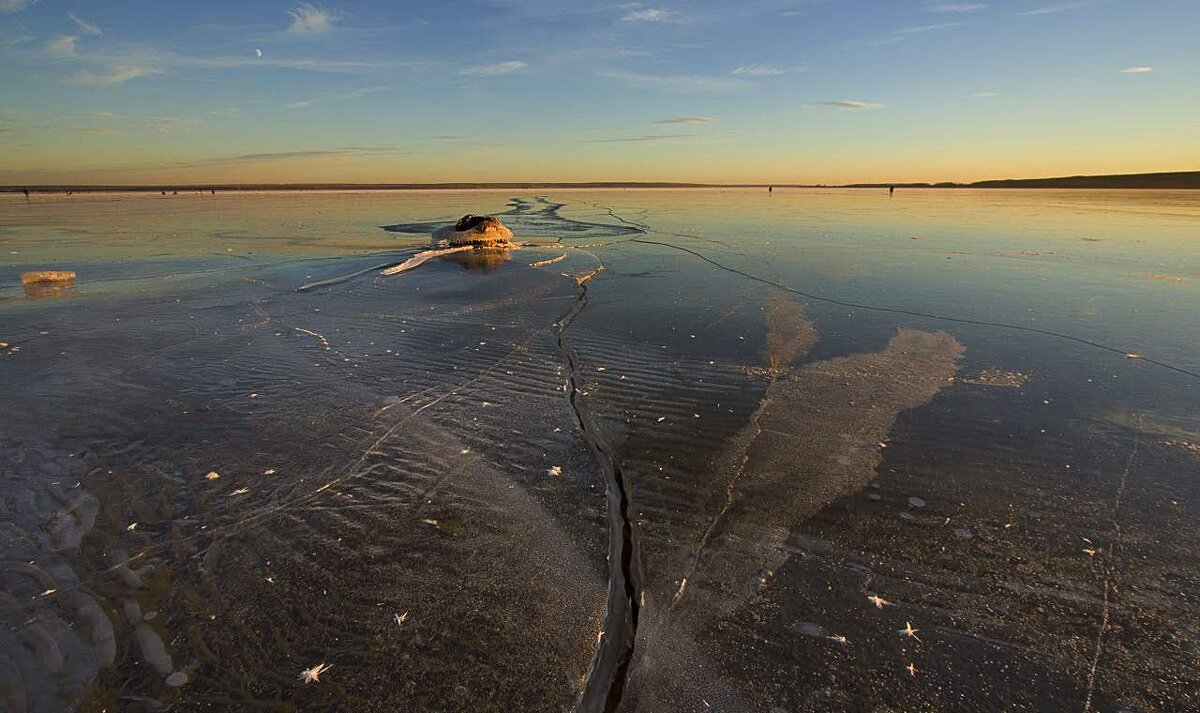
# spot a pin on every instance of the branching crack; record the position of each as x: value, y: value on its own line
x: 1109, y: 569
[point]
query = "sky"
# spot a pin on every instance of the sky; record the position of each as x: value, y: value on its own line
x: 760, y: 91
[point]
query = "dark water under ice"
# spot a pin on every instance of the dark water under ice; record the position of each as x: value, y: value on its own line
x: 683, y: 451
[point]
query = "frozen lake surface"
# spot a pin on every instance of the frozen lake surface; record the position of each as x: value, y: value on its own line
x: 686, y: 450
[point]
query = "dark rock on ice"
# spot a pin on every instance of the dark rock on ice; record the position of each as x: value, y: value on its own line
x: 476, y: 230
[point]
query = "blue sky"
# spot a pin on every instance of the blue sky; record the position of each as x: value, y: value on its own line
x: 528, y: 90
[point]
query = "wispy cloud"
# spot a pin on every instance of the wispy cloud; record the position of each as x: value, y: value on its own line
x: 314, y: 65
x: 762, y: 70
x: 60, y: 46
x: 687, y: 120
x: 853, y: 104
x: 597, y: 53
x: 878, y: 42
x: 904, y: 34
x: 87, y: 28
x: 105, y: 122
x: 492, y: 70
x: 677, y: 83
x: 309, y: 19
x: 95, y: 173
x: 116, y: 75
x: 983, y: 95
x: 927, y: 28
x: 352, y: 94
x: 378, y: 149
x: 956, y: 7
x: 643, y: 139
x: 172, y: 124
x: 13, y: 34
x: 278, y: 155
x: 383, y: 149
x: 361, y: 92
x: 1137, y: 70
x: 16, y: 5
x: 164, y: 60
x: 223, y: 112
x: 649, y: 15
x: 1052, y: 9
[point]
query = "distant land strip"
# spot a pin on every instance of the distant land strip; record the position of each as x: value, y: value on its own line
x: 1189, y: 180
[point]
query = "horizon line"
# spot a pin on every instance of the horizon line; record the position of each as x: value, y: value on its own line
x: 1175, y: 179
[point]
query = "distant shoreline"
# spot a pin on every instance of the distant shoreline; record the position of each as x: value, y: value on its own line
x: 1185, y: 180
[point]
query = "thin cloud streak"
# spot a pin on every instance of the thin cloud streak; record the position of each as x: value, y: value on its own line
x: 352, y: 94
x: 597, y: 53
x: 1137, y: 70
x: 162, y: 61
x: 116, y: 75
x: 879, y: 42
x: 380, y: 149
x: 278, y: 155
x: 172, y: 124
x: 643, y: 139
x: 928, y: 28
x: 87, y: 28
x: 761, y: 70
x: 343, y: 152
x: 687, y: 120
x: 493, y: 70
x: 956, y: 7
x: 904, y: 34
x: 384, y: 149
x: 314, y: 65
x: 853, y: 104
x: 361, y: 92
x: 92, y: 130
x: 1053, y: 9
x: 684, y: 83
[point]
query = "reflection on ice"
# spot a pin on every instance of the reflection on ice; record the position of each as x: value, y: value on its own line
x: 631, y: 466
x: 816, y: 436
x: 40, y: 290
x: 474, y: 242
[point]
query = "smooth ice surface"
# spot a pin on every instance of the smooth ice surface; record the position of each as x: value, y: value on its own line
x: 682, y: 450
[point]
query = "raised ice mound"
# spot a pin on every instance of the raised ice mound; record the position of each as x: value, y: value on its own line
x: 483, y: 231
